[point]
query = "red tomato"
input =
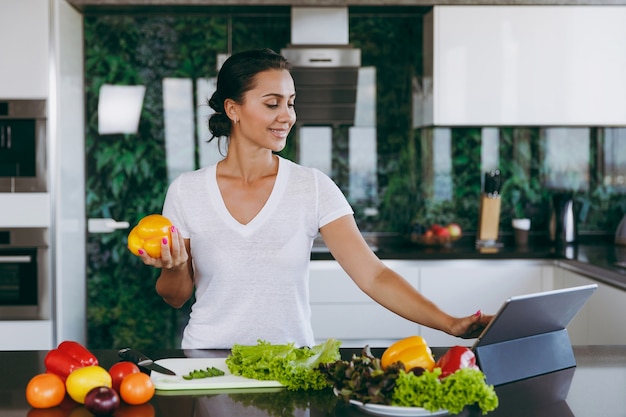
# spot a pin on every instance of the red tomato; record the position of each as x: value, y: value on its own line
x: 137, y: 389
x: 119, y: 370
x: 45, y: 391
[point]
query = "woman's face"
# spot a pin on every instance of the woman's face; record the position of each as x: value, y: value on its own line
x: 267, y: 113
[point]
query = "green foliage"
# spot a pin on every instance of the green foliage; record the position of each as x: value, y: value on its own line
x: 127, y: 174
x: 396, y: 64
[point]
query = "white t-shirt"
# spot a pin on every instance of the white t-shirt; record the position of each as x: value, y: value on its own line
x: 252, y: 280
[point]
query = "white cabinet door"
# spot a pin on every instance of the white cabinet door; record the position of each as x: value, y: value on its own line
x: 578, y: 329
x: 342, y: 311
x: 526, y: 65
x: 462, y: 287
x: 607, y: 310
x: 24, y: 45
x: 601, y: 320
x: 26, y: 335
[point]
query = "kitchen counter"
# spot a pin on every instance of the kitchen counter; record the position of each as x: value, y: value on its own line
x: 595, y: 258
x: 594, y: 387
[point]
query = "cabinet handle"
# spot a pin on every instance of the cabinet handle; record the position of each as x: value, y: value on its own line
x: 5, y: 137
x: 15, y: 259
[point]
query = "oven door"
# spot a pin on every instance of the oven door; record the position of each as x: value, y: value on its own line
x: 23, y: 157
x: 24, y: 292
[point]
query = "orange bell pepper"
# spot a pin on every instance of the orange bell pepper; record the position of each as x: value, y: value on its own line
x: 149, y: 233
x: 412, y: 352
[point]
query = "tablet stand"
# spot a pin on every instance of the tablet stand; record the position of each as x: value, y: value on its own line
x: 526, y: 357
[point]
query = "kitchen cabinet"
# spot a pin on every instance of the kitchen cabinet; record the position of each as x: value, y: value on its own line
x: 24, y: 49
x: 41, y: 44
x: 601, y: 320
x: 25, y: 210
x: 26, y: 335
x: 341, y: 310
x: 524, y: 66
x: 461, y: 287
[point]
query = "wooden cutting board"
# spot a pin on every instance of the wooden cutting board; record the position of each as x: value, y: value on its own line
x: 182, y: 366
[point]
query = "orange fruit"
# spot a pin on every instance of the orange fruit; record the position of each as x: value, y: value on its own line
x: 45, y: 391
x: 137, y: 388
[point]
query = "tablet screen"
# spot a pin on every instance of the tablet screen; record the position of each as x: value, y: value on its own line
x: 532, y: 314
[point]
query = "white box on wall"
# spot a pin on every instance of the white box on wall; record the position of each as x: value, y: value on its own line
x: 525, y: 65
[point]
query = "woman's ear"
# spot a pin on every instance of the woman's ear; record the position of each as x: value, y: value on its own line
x: 230, y: 108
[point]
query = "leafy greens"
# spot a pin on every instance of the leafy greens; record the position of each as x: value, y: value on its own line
x: 295, y: 368
x: 364, y: 380
x: 464, y: 387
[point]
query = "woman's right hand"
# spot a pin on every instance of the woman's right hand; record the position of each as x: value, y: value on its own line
x: 171, y: 259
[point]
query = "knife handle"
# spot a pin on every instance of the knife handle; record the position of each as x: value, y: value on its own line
x: 133, y: 355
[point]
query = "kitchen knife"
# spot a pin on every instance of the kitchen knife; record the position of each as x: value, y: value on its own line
x: 492, y: 183
x: 143, y: 361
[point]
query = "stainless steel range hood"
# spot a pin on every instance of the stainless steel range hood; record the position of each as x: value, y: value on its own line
x: 325, y: 67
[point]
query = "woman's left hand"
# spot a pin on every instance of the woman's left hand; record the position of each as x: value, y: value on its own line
x: 471, y: 326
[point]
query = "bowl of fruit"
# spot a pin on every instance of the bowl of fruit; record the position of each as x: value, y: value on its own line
x: 435, y: 234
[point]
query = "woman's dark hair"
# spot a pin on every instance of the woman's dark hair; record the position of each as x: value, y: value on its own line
x: 235, y: 78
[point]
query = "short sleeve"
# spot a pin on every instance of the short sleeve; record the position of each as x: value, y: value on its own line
x: 173, y: 208
x: 332, y: 204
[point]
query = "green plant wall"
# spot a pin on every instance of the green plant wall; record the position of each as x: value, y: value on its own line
x: 126, y: 174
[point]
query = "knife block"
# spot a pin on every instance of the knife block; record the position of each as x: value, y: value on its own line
x: 489, y: 219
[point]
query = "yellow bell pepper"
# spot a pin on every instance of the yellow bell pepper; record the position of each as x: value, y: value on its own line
x: 149, y: 233
x: 412, y: 351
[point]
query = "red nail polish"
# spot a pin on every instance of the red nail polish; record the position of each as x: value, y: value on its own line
x: 173, y: 229
x: 140, y: 251
x: 165, y: 241
x: 478, y: 313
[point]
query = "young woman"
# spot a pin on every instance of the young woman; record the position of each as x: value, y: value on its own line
x: 244, y: 228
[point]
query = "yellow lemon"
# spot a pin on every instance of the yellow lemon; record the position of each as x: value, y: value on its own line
x: 82, y: 380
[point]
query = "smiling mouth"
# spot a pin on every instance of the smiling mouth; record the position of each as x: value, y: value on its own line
x: 280, y: 132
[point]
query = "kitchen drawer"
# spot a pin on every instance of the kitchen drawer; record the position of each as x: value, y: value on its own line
x: 363, y: 322
x: 342, y: 311
x: 26, y: 335
x: 25, y: 210
x: 330, y: 284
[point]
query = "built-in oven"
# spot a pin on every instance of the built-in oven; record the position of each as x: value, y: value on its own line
x: 23, y: 161
x: 24, y: 274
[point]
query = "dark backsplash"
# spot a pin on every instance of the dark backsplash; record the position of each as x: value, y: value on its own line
x: 531, y: 174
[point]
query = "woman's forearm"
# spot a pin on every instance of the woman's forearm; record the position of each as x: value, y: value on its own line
x: 175, y: 286
x: 396, y: 294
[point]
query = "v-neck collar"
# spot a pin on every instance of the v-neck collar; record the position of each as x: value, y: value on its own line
x: 266, y: 211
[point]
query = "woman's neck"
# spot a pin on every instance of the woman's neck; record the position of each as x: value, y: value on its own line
x: 248, y: 167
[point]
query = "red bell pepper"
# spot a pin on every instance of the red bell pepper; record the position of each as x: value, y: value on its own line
x: 78, y: 352
x: 457, y: 357
x: 68, y: 357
